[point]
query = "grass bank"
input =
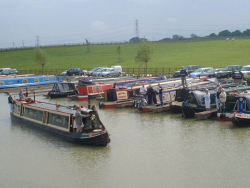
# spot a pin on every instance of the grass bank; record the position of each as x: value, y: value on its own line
x: 217, y: 53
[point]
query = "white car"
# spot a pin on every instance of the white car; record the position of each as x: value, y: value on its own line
x: 245, y: 71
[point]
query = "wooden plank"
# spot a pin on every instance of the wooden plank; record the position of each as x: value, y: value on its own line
x: 206, y: 114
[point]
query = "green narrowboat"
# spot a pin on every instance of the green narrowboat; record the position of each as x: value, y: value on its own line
x: 58, y: 119
x: 194, y: 101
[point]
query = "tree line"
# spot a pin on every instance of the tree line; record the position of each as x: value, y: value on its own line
x: 224, y: 33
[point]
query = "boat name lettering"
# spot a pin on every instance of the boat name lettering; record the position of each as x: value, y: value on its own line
x: 192, y: 105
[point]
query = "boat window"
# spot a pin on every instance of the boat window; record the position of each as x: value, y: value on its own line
x: 46, y: 79
x: 59, y: 120
x: 25, y: 81
x: 36, y: 79
x: 247, y: 107
x: 236, y: 106
x: 1, y: 83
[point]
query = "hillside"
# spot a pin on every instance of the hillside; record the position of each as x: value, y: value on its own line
x: 218, y: 53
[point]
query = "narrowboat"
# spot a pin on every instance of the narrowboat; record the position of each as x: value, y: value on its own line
x: 181, y: 93
x: 59, y: 120
x: 194, y: 101
x: 168, y: 96
x: 89, y: 89
x: 241, y: 114
x: 62, y: 89
x: 28, y: 81
x: 117, y: 98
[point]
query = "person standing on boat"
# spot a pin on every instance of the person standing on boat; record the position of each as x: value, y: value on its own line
x: 207, y: 99
x: 94, y: 109
x: 159, y: 88
x: 223, y: 98
x: 21, y: 95
x: 115, y: 85
x: 143, y: 91
x: 218, y: 91
x: 10, y: 101
x: 150, y: 93
x: 183, y: 73
x: 26, y: 93
x: 78, y: 118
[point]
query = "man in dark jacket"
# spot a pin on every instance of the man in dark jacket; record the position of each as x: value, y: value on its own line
x: 183, y: 73
x: 150, y: 93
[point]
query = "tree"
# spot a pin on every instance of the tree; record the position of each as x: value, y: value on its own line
x: 119, y: 51
x: 246, y: 32
x: 176, y: 37
x: 236, y: 33
x: 144, y: 54
x: 224, y: 33
x: 41, y: 58
x: 193, y: 36
x: 134, y: 40
x: 88, y: 45
x: 212, y: 35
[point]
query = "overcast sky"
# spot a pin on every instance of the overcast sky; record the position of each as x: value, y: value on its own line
x: 74, y: 21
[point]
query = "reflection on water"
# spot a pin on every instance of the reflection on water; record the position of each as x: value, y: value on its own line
x: 146, y: 150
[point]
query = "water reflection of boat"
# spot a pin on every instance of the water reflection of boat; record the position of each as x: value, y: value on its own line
x: 59, y: 120
x: 241, y: 114
x: 62, y: 89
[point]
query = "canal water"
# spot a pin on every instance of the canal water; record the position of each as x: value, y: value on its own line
x: 146, y: 150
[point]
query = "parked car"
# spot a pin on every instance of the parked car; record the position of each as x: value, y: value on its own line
x: 8, y: 71
x: 113, y: 71
x: 90, y: 73
x: 189, y: 69
x: 208, y: 71
x: 228, y: 71
x: 76, y: 71
x: 243, y: 73
x: 98, y: 72
x: 64, y: 73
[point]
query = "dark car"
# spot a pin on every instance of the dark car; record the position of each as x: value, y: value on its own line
x: 228, y: 71
x: 189, y: 69
x: 75, y: 71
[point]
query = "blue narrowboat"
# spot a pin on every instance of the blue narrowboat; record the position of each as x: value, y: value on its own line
x: 241, y: 113
x: 28, y: 81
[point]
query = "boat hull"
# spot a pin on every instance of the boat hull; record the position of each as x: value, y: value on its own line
x: 98, y: 139
x: 240, y: 122
x: 223, y: 116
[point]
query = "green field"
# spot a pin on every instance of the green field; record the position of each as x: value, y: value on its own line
x: 217, y: 53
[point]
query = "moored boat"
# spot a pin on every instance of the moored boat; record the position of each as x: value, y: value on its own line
x: 241, y: 113
x: 117, y: 98
x: 194, y: 102
x: 59, y: 120
x: 62, y: 89
x: 28, y: 81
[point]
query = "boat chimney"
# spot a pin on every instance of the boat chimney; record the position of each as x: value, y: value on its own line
x: 89, y: 104
x: 34, y: 96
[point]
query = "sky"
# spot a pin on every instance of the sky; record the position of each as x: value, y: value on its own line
x: 25, y: 23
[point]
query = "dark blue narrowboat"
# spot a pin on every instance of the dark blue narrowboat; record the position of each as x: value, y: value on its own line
x: 59, y: 120
x: 62, y: 89
x: 241, y: 113
x: 28, y: 81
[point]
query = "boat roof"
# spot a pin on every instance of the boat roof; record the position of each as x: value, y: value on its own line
x: 52, y: 107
